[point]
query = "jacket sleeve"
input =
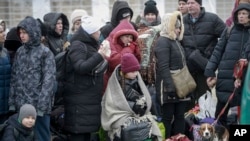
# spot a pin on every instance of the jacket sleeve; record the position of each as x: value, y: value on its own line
x: 217, y: 54
x: 12, y: 84
x: 48, y: 82
x: 83, y: 63
x: 163, y: 53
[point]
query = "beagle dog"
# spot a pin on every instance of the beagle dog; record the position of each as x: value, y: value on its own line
x: 209, y: 132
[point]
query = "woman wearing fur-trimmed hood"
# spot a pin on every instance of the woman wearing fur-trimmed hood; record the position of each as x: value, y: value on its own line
x: 170, y: 56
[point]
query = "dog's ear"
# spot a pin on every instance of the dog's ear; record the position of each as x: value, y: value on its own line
x: 200, y: 130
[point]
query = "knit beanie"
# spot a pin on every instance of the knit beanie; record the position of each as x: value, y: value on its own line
x: 123, y: 13
x: 129, y: 63
x: 199, y: 1
x: 150, y: 7
x: 183, y: 0
x: 27, y: 110
x: 77, y: 15
x: 12, y: 41
x: 90, y: 24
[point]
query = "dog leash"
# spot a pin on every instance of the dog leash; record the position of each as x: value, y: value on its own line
x: 224, y: 108
x: 239, y: 67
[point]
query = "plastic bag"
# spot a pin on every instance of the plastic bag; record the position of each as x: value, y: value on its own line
x: 207, y: 106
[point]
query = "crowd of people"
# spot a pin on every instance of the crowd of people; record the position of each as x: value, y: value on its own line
x: 136, y: 88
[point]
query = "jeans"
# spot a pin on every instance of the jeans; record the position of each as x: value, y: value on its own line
x: 173, y: 118
x: 42, y: 128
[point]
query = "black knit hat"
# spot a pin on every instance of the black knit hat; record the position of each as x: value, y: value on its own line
x: 150, y: 7
x: 12, y: 41
x: 183, y: 0
x: 199, y: 1
x: 43, y: 27
x: 123, y: 13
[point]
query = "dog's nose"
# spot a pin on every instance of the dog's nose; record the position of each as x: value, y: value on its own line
x: 206, y: 133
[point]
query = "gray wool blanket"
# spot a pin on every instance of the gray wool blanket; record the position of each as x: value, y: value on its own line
x: 116, y: 110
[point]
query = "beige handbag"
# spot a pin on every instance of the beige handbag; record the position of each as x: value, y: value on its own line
x: 183, y: 80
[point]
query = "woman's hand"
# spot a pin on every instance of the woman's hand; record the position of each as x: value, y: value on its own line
x: 237, y: 83
x: 211, y: 81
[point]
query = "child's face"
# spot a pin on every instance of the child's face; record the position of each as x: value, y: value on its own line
x: 24, y: 35
x: 28, y: 121
x: 126, y: 39
x: 131, y: 75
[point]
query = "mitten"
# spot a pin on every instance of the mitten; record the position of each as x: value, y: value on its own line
x: 140, y: 106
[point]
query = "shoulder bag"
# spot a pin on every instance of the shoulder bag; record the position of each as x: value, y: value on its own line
x: 183, y: 80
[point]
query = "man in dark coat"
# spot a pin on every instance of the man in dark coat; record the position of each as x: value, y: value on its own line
x: 83, y: 87
x: 226, y: 53
x: 202, y: 30
x: 120, y: 11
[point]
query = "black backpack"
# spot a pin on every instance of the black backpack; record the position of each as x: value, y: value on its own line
x: 2, y: 128
x: 61, y: 64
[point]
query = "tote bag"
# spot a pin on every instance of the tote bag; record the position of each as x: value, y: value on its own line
x: 183, y: 80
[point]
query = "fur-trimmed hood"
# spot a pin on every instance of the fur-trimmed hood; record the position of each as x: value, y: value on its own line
x: 168, y: 25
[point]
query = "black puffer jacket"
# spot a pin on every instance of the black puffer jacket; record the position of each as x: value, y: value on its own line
x: 225, y: 55
x: 207, y: 29
x: 17, y: 132
x: 169, y: 56
x: 83, y: 90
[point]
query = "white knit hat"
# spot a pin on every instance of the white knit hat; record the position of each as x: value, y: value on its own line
x: 90, y: 24
x: 77, y: 14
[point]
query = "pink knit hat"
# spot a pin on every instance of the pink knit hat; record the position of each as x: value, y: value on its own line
x: 129, y: 63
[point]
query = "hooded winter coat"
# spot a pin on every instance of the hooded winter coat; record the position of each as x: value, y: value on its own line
x: 55, y: 41
x: 226, y: 53
x: 83, y: 88
x: 169, y: 56
x: 118, y: 48
x: 33, y: 72
x: 118, y: 5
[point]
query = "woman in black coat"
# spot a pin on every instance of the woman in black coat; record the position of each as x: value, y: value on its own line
x: 83, y: 87
x: 170, y: 57
x: 225, y: 55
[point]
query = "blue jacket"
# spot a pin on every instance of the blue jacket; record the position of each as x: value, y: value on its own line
x: 5, y: 70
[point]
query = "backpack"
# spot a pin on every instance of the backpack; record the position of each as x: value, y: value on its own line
x: 2, y: 128
x: 61, y: 64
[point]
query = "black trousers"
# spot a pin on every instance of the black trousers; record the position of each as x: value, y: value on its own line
x: 173, y: 118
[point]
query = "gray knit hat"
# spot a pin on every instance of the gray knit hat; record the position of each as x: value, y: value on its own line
x: 27, y: 110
